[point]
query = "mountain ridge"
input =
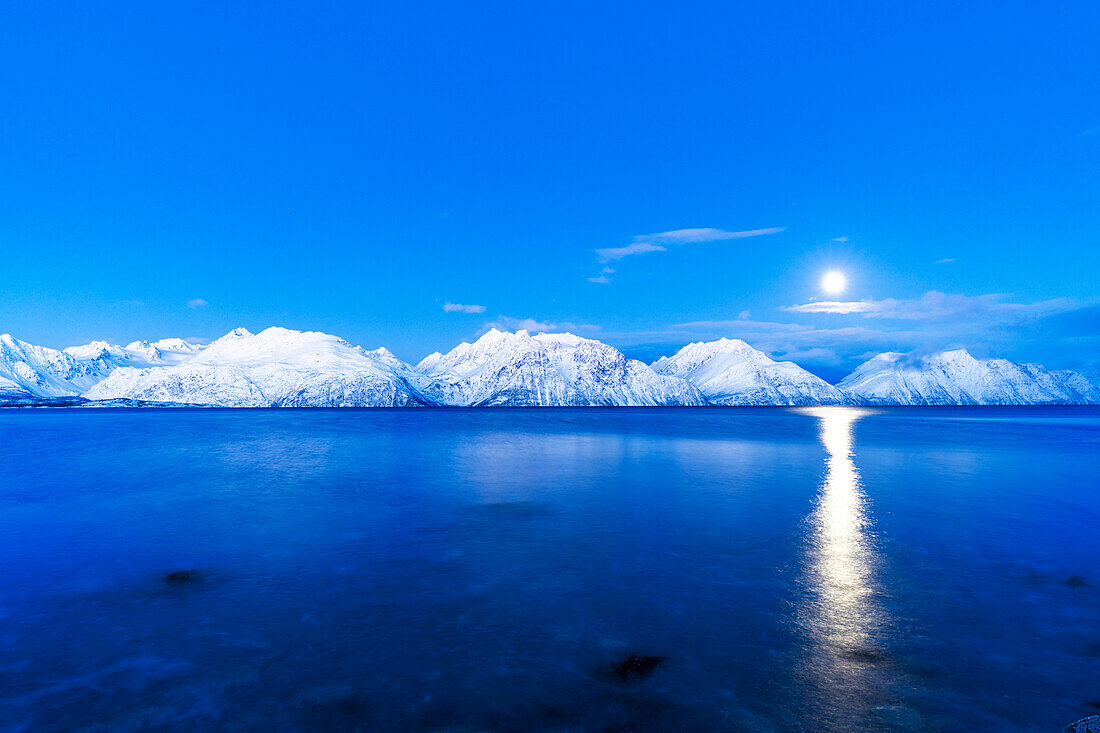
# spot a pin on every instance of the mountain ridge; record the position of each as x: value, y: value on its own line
x: 730, y: 372
x: 955, y: 377
x: 280, y: 367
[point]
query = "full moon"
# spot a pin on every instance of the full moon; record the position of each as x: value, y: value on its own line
x: 833, y: 282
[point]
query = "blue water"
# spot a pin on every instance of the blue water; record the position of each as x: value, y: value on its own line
x: 430, y: 570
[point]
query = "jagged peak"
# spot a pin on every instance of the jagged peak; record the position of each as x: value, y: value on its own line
x: 886, y: 357
x: 236, y: 333
x: 94, y: 350
x: 495, y: 335
x: 24, y: 348
x: 722, y: 345
x: 955, y: 355
x: 432, y: 359
x: 175, y: 343
x: 725, y: 342
x: 97, y: 344
x: 702, y: 352
x: 382, y: 352
x: 565, y: 338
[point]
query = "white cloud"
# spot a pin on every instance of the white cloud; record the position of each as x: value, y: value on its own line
x: 462, y: 308
x: 791, y: 341
x: 1088, y: 133
x: 937, y: 306
x: 197, y: 303
x: 706, y: 234
x: 737, y: 324
x: 603, y: 278
x: 829, y: 306
x: 985, y: 324
x: 617, y: 253
x: 508, y: 323
x: 815, y: 355
x: 644, y: 243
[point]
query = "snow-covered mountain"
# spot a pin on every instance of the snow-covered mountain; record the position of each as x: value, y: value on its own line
x: 108, y: 357
x: 730, y: 372
x: 518, y: 369
x: 277, y: 367
x: 26, y: 369
x: 957, y: 378
x: 282, y: 367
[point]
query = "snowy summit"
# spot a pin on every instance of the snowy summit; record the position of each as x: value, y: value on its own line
x: 730, y: 372
x: 957, y: 378
x: 518, y: 369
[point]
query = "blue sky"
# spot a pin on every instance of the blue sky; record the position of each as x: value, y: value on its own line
x: 182, y: 169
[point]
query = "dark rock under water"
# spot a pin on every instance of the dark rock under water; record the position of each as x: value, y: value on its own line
x: 634, y: 666
x: 184, y: 576
x: 1090, y: 724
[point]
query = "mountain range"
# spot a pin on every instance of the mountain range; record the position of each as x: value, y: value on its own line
x: 957, y: 378
x: 280, y: 367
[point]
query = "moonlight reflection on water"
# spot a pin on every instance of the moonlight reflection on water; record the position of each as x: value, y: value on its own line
x: 840, y: 612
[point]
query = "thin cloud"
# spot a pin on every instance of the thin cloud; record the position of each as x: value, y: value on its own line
x: 603, y: 278
x: 739, y: 324
x: 197, y: 303
x: 1088, y: 133
x: 945, y: 261
x: 463, y: 308
x: 707, y: 234
x: 655, y: 242
x: 937, y: 306
x: 783, y: 341
x: 617, y: 253
x: 508, y: 323
x: 829, y: 306
x: 983, y: 324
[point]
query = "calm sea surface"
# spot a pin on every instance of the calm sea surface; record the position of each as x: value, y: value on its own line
x: 427, y: 570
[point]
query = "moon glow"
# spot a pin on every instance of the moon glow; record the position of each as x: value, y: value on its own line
x: 834, y: 282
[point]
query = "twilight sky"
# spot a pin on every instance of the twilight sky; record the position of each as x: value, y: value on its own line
x: 407, y: 174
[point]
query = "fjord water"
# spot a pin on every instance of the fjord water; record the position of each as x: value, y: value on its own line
x: 821, y: 569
